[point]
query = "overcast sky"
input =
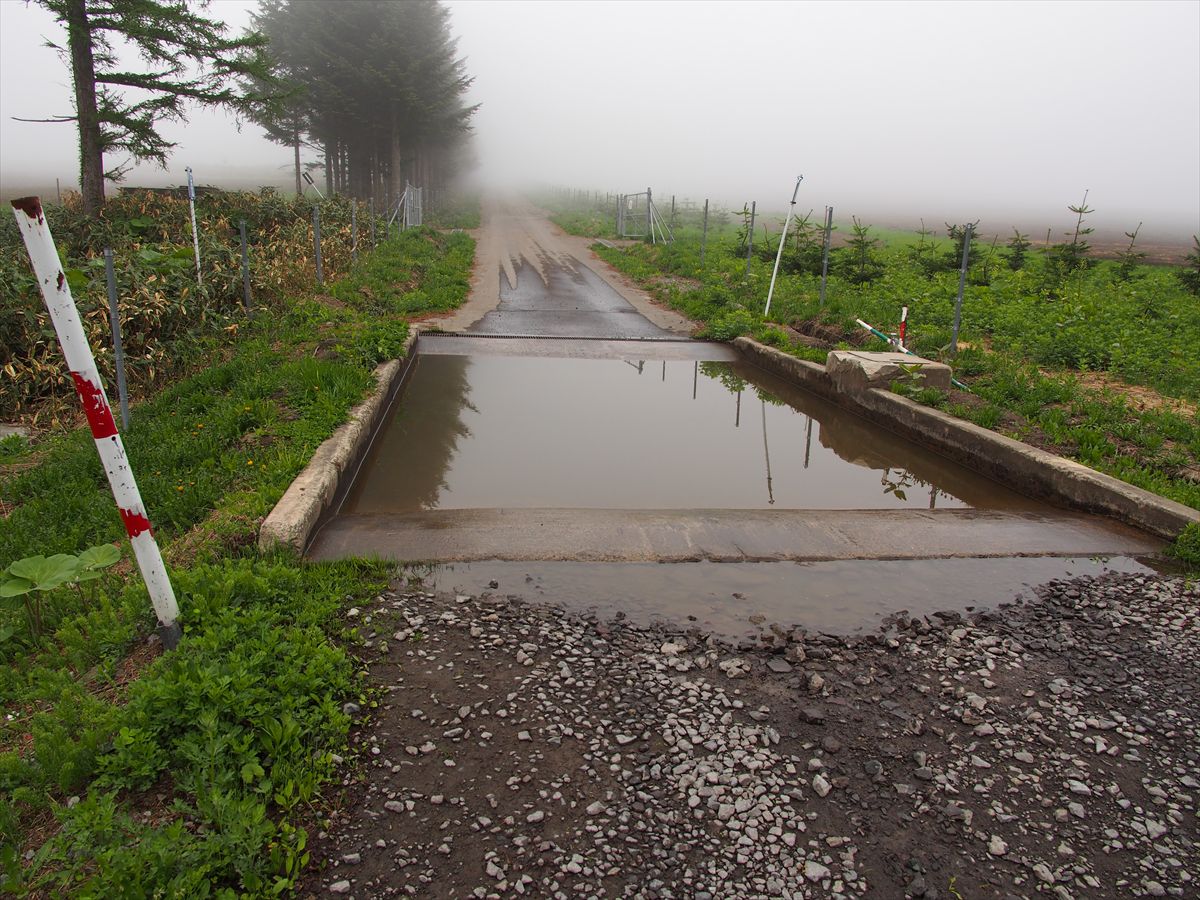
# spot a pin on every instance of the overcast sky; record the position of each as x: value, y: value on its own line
x: 1006, y: 111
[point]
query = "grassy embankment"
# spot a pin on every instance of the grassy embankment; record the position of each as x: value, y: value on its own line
x: 124, y: 772
x: 1097, y: 363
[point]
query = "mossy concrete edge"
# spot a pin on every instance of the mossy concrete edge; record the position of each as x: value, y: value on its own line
x: 292, y: 522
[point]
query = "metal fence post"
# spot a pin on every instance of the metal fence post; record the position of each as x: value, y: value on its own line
x: 114, y: 316
x: 195, y: 233
x: 825, y: 251
x: 962, y: 283
x: 649, y: 221
x: 56, y: 292
x: 704, y: 232
x: 317, y: 244
x: 246, y: 298
x: 750, y: 235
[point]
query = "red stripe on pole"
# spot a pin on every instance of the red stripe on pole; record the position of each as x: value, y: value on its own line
x: 95, y: 407
x: 135, y: 522
x: 32, y: 207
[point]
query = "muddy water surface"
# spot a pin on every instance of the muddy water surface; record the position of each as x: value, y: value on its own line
x: 740, y: 599
x: 502, y: 431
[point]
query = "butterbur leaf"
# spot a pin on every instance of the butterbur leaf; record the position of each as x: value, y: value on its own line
x: 99, y: 557
x: 11, y: 586
x: 88, y: 575
x: 46, y: 573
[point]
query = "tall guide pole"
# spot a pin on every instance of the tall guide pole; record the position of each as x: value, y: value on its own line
x: 782, y: 241
x: 82, y: 364
x: 195, y: 233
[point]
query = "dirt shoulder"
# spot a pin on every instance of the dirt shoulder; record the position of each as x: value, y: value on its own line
x: 517, y: 750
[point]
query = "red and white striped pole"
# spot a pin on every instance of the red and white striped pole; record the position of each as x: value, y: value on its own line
x: 82, y: 364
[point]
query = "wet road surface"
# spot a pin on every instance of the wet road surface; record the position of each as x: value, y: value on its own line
x: 505, y: 454
x: 564, y: 299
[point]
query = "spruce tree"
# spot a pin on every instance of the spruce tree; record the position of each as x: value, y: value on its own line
x: 187, y: 57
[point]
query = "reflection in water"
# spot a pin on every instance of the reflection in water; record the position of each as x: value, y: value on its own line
x: 496, y: 431
x: 410, y: 457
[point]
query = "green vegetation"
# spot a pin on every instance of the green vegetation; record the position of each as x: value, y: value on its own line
x: 460, y: 211
x: 1050, y: 340
x: 1187, y: 546
x: 128, y: 773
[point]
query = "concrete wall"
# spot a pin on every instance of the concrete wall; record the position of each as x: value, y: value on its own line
x: 1026, y: 469
x: 311, y: 497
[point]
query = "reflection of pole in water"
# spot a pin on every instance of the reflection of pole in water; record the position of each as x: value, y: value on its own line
x: 933, y: 492
x: 737, y: 416
x: 695, y: 377
x: 637, y: 365
x: 664, y: 370
x: 807, y: 440
x: 767, y: 455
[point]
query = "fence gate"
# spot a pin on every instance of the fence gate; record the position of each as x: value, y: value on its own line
x: 409, y: 207
x: 638, y: 217
x: 413, y: 202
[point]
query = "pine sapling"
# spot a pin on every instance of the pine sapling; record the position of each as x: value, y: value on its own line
x: 1189, y: 274
x: 1129, y: 258
x: 1018, y: 246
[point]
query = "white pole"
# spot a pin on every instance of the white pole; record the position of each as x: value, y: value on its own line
x: 195, y: 233
x: 782, y: 241
x: 82, y: 365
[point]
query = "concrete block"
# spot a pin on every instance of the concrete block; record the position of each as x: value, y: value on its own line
x: 9, y: 430
x: 853, y: 371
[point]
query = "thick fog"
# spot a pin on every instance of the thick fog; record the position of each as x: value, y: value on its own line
x: 893, y: 111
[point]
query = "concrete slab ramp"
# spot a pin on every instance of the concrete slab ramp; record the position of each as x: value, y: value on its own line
x: 459, y: 535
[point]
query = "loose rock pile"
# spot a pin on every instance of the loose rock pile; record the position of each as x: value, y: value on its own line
x: 1048, y: 749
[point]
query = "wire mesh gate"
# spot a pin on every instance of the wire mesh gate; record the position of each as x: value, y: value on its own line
x: 409, y: 208
x: 638, y: 217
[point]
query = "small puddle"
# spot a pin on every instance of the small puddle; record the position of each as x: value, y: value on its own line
x: 490, y: 431
x: 739, y: 600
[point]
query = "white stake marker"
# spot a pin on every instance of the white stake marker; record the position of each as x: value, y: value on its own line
x: 82, y: 364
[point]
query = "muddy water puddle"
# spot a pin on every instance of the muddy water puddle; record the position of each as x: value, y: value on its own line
x: 494, y: 431
x: 738, y: 600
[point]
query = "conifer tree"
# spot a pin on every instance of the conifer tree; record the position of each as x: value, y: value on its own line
x: 186, y: 56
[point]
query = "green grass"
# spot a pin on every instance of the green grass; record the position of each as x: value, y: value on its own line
x: 455, y: 212
x: 420, y: 271
x: 193, y: 778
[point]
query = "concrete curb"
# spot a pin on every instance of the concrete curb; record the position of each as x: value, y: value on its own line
x: 292, y: 522
x: 1024, y: 468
